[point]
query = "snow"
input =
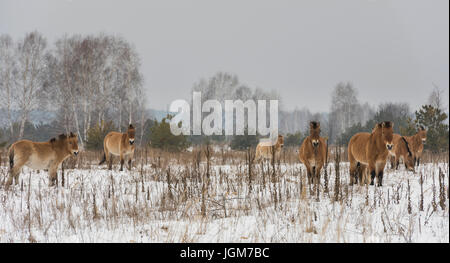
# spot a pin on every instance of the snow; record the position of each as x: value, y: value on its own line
x: 139, y: 206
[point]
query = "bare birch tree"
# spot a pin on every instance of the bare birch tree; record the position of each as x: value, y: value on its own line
x: 31, y: 67
x: 8, y: 74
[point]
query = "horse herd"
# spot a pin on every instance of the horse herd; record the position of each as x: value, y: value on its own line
x: 49, y: 155
x: 367, y: 152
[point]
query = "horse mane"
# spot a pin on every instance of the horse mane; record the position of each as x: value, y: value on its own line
x: 60, y: 137
x: 314, y: 124
x: 407, y: 146
x: 387, y: 124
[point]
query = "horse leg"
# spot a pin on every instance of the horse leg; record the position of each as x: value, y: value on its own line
x: 360, y: 173
x: 110, y: 162
x: 52, y: 175
x: 257, y: 156
x: 364, y: 174
x: 354, y: 165
x: 130, y: 157
x: 372, y: 173
x: 380, y: 178
x: 121, y: 162
x: 318, y: 169
x: 14, y: 172
x: 308, y: 172
x: 353, y: 172
x: 397, y: 162
x: 380, y: 170
x: 108, y: 157
x: 314, y: 174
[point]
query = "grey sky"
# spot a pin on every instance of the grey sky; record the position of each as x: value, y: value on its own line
x: 390, y: 50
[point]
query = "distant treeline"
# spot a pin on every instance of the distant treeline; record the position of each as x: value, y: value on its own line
x: 93, y: 84
x: 85, y: 79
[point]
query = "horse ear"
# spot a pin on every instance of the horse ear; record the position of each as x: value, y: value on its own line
x: 388, y: 124
x: 314, y: 125
x: 131, y: 126
x: 72, y: 135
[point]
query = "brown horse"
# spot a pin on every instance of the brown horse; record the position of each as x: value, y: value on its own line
x: 264, y: 150
x: 41, y: 155
x: 402, y: 151
x: 312, y: 152
x: 417, y: 142
x: 119, y: 144
x: 371, y: 149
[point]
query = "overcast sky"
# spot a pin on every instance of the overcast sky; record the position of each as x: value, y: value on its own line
x: 390, y: 50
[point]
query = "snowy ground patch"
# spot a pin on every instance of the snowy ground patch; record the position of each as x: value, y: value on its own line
x: 182, y: 204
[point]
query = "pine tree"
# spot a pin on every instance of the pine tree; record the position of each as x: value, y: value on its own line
x: 294, y: 139
x: 161, y: 137
x: 410, y: 128
x: 242, y: 142
x: 97, y: 134
x: 433, y: 119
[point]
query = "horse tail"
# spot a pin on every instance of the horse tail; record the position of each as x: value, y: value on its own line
x: 103, y: 160
x: 11, y: 157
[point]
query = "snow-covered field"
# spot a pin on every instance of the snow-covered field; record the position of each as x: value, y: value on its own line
x: 160, y: 205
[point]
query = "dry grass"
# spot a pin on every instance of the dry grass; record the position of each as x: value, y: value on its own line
x: 222, y: 196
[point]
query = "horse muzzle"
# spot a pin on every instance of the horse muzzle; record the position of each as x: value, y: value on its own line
x: 75, y: 153
x: 131, y: 142
x: 315, y: 144
x: 389, y: 146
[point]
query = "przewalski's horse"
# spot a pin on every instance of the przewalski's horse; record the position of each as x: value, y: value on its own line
x: 264, y: 150
x: 119, y: 144
x: 41, y: 155
x: 417, y: 142
x: 370, y: 151
x: 313, y: 152
x: 402, y: 151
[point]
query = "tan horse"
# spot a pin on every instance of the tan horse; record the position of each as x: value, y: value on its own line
x: 264, y: 150
x: 402, y: 152
x: 41, y: 155
x: 119, y: 144
x: 312, y: 152
x: 417, y: 142
x: 371, y: 150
